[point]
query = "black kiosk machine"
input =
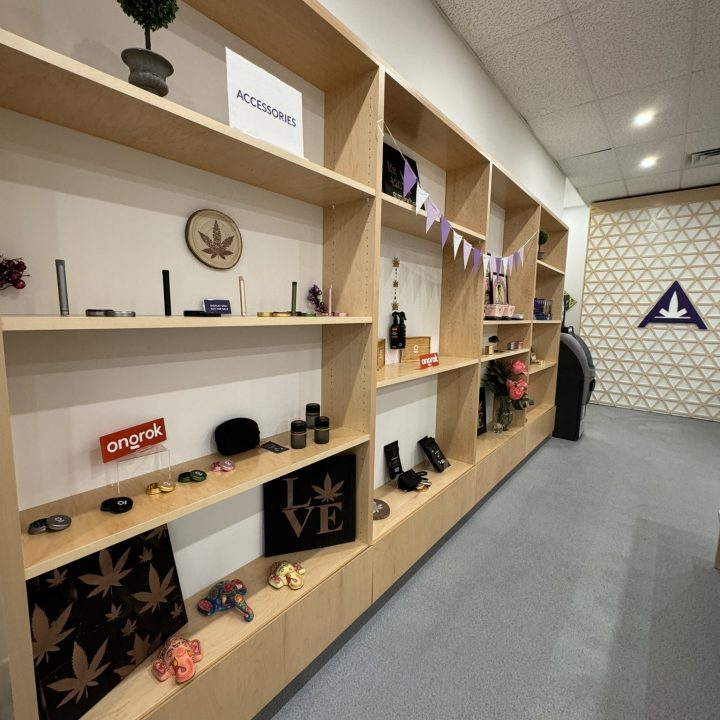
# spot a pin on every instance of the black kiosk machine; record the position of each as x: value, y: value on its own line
x: 575, y: 383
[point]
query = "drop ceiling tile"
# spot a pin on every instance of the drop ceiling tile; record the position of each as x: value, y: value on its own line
x: 491, y: 21
x: 593, y: 169
x: 575, y: 131
x: 696, y: 177
x: 705, y: 140
x: 578, y: 4
x: 704, y: 100
x: 604, y: 191
x: 653, y: 184
x: 629, y: 45
x: 707, y: 47
x: 667, y: 100
x: 541, y: 71
x: 670, y: 153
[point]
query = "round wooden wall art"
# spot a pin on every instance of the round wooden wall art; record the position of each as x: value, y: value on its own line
x: 214, y: 239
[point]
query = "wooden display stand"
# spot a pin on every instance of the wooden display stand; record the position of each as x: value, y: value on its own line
x: 245, y: 665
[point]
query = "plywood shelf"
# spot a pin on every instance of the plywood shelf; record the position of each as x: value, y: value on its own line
x: 500, y: 355
x: 547, y: 364
x: 416, y: 122
x: 490, y: 321
x: 46, y: 85
x: 34, y: 323
x: 535, y: 412
x: 401, y: 216
x: 396, y: 373
x: 490, y: 441
x: 302, y: 36
x: 403, y: 504
x: 546, y: 322
x: 544, y: 267
x: 140, y: 694
x: 92, y: 530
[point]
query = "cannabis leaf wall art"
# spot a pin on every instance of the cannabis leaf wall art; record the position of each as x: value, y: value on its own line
x: 214, y: 239
x: 95, y: 620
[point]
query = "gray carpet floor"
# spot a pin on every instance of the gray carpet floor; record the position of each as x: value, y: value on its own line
x: 582, y: 589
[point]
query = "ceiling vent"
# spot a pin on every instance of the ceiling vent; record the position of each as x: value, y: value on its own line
x: 705, y: 157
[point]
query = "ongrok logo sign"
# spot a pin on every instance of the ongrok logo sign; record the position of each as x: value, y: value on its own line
x: 123, y: 442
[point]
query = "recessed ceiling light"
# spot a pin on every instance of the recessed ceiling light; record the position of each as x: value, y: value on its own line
x: 648, y: 162
x: 643, y: 118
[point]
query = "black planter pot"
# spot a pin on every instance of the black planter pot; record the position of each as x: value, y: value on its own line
x: 148, y: 70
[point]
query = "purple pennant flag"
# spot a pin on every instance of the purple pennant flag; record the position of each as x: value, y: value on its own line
x: 498, y: 265
x: 409, y: 179
x: 445, y: 229
x: 476, y: 259
x: 467, y: 247
x: 432, y: 215
x: 516, y: 261
x: 521, y: 255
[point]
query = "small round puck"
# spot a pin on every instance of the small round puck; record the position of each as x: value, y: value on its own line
x: 117, y: 505
x: 120, y: 313
x: 152, y: 489
x: 183, y: 477
x: 95, y: 312
x: 58, y: 522
x: 166, y: 486
x: 38, y: 526
x: 198, y: 475
x: 380, y: 509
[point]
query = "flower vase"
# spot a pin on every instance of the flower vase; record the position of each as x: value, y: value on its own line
x: 504, y: 415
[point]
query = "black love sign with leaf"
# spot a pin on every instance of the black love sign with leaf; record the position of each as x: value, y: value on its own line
x: 311, y: 508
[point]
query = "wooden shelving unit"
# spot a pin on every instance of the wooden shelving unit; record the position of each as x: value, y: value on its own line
x: 402, y: 372
x: 547, y: 365
x: 34, y: 323
x: 92, y: 530
x: 245, y: 665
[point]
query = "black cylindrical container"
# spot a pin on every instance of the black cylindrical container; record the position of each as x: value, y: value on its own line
x: 312, y: 410
x: 322, y: 429
x: 298, y: 434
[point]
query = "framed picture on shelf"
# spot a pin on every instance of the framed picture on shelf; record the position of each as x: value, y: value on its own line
x: 499, y: 288
x: 393, y: 171
x: 482, y: 422
x: 488, y: 289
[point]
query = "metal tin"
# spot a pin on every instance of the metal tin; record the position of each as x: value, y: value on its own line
x: 312, y: 411
x: 322, y: 430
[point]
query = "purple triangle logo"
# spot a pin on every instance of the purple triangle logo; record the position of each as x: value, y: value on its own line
x: 675, y: 308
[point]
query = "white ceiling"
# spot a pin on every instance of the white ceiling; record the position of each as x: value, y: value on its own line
x: 580, y: 70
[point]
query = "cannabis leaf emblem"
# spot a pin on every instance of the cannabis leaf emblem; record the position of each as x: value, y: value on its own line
x: 141, y: 649
x: 47, y: 636
x: 158, y: 591
x: 85, y: 675
x: 217, y: 247
x: 146, y: 555
x: 328, y: 492
x: 57, y: 579
x: 129, y: 628
x: 114, y: 613
x: 176, y: 611
x: 110, y: 575
x: 158, y: 532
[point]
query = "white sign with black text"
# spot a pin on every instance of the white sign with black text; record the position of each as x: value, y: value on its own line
x: 261, y: 105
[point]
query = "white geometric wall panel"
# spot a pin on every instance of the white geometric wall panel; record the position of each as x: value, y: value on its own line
x: 633, y: 257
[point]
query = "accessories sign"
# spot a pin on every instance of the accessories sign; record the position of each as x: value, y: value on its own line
x: 263, y: 106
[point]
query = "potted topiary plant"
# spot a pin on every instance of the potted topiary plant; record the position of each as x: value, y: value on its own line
x: 542, y: 239
x: 149, y: 70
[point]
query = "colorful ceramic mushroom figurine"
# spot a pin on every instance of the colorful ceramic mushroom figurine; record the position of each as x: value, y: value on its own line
x: 225, y: 595
x: 286, y: 573
x: 177, y: 657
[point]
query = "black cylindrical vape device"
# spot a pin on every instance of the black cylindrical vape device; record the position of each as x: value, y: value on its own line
x: 166, y: 291
x: 62, y: 287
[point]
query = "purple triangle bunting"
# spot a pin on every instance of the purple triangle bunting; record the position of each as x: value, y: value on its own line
x: 432, y: 215
x: 467, y: 247
x: 476, y: 259
x: 409, y: 179
x: 445, y: 229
